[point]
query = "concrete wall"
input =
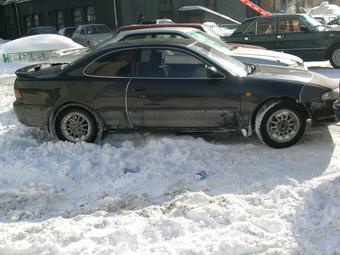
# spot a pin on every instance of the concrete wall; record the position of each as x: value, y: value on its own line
x: 129, y: 11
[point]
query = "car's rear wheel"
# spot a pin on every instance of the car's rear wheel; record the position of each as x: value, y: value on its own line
x: 76, y: 125
x: 335, y: 58
x: 280, y: 124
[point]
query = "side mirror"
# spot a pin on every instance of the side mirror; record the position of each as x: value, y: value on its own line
x: 304, y: 29
x: 213, y: 73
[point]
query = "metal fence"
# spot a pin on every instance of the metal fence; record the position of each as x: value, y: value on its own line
x: 32, y: 56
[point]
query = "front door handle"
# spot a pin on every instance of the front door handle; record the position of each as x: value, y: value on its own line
x: 280, y: 36
x: 138, y: 89
x: 246, y: 38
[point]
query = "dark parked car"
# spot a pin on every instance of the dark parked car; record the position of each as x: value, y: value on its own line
x: 297, y: 34
x: 174, y: 85
x: 67, y: 31
x: 42, y: 30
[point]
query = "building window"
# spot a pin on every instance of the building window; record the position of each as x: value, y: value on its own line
x: 60, y: 19
x: 36, y: 20
x: 77, y: 19
x: 165, y: 5
x: 165, y: 9
x: 90, y: 14
x: 28, y: 22
x: 211, y: 4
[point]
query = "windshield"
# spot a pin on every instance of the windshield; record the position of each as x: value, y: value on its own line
x: 210, y: 40
x: 230, y: 64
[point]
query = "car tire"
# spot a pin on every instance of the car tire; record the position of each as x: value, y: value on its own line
x: 335, y: 58
x: 280, y: 124
x: 76, y: 125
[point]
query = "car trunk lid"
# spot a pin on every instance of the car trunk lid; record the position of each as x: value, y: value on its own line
x: 38, y: 70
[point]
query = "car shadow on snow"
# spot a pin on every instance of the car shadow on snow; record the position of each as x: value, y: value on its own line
x: 231, y: 163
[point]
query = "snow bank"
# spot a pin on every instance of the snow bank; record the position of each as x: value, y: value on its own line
x: 39, y: 43
x: 325, y: 9
x: 2, y: 41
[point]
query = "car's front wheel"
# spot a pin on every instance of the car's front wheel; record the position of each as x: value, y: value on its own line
x: 280, y: 124
x: 76, y: 125
x: 335, y: 58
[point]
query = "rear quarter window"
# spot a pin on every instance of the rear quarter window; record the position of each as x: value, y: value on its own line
x: 243, y: 27
x: 114, y: 64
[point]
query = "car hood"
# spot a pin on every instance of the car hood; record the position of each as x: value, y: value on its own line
x: 269, y: 54
x: 290, y: 74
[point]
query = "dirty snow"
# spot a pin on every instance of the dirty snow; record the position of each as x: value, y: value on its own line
x: 140, y: 193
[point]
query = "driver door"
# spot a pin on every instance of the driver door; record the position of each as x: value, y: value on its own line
x: 172, y: 90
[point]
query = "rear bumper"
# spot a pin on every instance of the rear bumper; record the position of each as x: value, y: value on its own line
x: 32, y: 115
x: 336, y: 108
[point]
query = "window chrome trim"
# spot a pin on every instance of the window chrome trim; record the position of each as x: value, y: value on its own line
x: 126, y: 104
x: 163, y: 78
x: 301, y: 49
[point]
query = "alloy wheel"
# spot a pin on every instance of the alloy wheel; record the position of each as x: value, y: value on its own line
x: 283, y: 125
x: 76, y: 127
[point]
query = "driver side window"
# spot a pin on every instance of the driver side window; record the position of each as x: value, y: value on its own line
x: 170, y: 63
x: 292, y: 25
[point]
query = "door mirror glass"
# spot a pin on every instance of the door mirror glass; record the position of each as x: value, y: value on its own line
x: 304, y: 29
x: 213, y: 73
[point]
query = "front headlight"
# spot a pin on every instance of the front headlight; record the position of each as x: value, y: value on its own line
x: 330, y: 95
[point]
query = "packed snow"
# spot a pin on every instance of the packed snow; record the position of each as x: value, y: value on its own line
x: 38, y: 43
x: 325, y: 9
x: 143, y: 193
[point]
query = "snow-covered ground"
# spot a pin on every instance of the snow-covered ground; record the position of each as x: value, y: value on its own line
x: 141, y: 194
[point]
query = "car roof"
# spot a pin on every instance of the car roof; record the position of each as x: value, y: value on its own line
x: 158, y: 30
x: 40, y: 27
x: 89, y: 25
x: 136, y: 26
x: 147, y: 42
x: 276, y: 15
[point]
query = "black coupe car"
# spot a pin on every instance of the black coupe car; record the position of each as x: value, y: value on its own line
x: 173, y: 84
x: 297, y: 34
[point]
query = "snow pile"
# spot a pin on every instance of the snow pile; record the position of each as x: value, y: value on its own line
x: 39, y: 43
x: 2, y: 41
x: 166, y: 194
x: 31, y: 49
x: 325, y: 9
x: 220, y: 31
x: 317, y: 225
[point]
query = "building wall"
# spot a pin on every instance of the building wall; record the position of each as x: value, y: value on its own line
x: 128, y: 11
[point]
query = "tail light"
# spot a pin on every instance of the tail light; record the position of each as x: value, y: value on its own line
x: 18, y: 94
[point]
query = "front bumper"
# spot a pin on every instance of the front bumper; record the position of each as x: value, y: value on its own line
x: 336, y: 108
x: 322, y: 111
x: 32, y: 115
